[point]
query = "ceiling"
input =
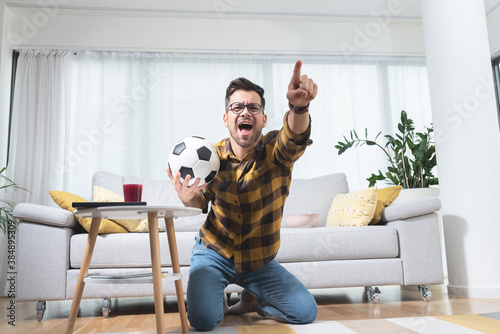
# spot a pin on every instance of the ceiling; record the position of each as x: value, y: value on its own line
x: 404, y: 9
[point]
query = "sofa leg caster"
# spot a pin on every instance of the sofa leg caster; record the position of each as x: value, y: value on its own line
x: 425, y: 292
x: 41, y: 306
x: 373, y: 294
x: 106, y: 305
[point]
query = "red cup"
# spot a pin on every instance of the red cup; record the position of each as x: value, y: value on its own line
x: 132, y: 188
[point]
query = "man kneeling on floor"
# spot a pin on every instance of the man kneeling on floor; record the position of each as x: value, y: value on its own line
x: 240, y: 238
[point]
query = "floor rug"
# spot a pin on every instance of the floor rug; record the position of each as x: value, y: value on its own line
x: 452, y: 324
x: 488, y: 323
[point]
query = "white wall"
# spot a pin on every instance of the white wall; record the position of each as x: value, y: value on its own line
x: 211, y: 33
x: 465, y: 168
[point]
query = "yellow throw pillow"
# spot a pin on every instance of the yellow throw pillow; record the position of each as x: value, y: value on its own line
x: 132, y: 225
x: 65, y: 200
x: 385, y: 197
x: 353, y: 209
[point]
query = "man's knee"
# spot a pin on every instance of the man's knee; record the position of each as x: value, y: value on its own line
x: 204, y: 320
x: 204, y: 308
x: 202, y: 278
x: 305, y: 312
x: 310, y: 313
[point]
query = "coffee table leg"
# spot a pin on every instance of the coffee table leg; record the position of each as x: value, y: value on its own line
x: 154, y: 242
x: 84, y: 269
x: 172, y: 245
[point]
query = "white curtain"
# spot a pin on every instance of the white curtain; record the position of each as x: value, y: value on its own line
x: 125, y: 110
x: 38, y: 124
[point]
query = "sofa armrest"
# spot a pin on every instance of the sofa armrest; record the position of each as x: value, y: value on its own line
x: 42, y: 261
x: 420, y: 249
x: 45, y: 215
x: 412, y: 208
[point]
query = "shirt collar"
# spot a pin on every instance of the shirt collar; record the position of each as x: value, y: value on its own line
x: 227, y: 151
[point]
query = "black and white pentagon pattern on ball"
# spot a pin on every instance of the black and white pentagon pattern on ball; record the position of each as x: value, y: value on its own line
x: 194, y: 156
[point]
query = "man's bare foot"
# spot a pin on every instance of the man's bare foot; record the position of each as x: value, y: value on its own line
x: 246, y: 304
x: 224, y: 305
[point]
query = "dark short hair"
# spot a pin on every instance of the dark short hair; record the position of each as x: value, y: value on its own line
x: 246, y: 85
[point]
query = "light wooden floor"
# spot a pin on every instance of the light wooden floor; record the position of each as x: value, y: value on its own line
x: 137, y: 314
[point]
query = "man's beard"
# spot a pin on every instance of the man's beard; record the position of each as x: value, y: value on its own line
x: 248, y: 142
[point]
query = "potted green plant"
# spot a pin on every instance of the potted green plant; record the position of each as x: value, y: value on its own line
x: 411, y: 155
x: 7, y: 206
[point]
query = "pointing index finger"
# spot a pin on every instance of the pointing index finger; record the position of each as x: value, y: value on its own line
x: 296, y: 73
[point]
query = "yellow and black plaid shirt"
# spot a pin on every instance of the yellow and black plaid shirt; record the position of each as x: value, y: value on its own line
x: 248, y: 197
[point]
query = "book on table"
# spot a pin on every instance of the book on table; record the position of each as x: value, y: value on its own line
x: 86, y: 205
x: 125, y: 276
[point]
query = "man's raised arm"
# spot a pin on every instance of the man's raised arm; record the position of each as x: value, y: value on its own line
x: 301, y: 91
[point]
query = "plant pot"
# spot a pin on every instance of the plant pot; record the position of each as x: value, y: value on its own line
x: 409, y: 194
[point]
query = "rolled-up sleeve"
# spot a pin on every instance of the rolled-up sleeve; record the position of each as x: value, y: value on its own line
x: 290, y: 146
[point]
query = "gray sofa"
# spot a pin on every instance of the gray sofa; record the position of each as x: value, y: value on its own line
x: 404, y: 249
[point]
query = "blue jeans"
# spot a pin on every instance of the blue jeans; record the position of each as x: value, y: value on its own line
x: 280, y: 295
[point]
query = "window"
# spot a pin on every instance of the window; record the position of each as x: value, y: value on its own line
x: 123, y: 111
x: 496, y: 81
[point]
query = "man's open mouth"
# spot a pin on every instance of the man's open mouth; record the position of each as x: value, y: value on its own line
x: 245, y: 127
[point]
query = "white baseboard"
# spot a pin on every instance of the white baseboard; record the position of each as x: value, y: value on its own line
x: 473, y: 292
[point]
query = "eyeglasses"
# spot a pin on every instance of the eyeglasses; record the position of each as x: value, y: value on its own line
x: 238, y: 107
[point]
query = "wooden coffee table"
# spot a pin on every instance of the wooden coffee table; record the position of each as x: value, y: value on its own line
x: 137, y: 212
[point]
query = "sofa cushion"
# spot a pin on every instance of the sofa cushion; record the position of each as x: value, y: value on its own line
x: 315, y: 195
x: 355, y: 273
x: 353, y: 209
x: 129, y: 250
x: 338, y: 243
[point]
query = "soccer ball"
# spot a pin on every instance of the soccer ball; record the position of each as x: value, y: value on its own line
x: 195, y: 156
